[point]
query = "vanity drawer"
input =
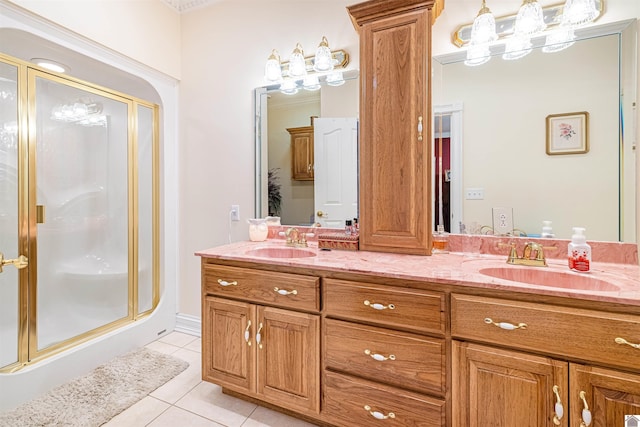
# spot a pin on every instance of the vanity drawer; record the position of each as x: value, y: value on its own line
x: 300, y: 292
x: 586, y: 335
x: 411, y: 361
x: 412, y: 309
x: 349, y: 402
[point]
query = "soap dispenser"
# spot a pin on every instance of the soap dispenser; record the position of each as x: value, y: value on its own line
x: 579, y: 251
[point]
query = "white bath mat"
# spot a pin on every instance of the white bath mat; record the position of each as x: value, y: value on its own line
x: 103, y: 393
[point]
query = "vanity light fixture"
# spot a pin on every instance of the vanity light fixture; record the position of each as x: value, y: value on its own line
x: 520, y: 32
x: 483, y: 32
x: 51, y: 65
x: 306, y: 72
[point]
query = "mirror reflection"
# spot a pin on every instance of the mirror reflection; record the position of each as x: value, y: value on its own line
x: 491, y: 122
x: 495, y: 120
x: 308, y: 147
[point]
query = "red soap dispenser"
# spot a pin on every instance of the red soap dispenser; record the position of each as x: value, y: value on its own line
x: 579, y: 251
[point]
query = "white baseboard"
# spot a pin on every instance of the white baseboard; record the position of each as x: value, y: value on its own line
x: 188, y: 324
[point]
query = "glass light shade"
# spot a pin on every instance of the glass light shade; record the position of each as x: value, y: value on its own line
x: 559, y: 39
x: 272, y: 69
x: 483, y: 29
x: 311, y: 82
x: 335, y: 78
x: 529, y: 20
x: 477, y: 55
x: 323, y: 60
x: 517, y: 47
x: 289, y: 87
x: 579, y: 12
x: 297, y: 64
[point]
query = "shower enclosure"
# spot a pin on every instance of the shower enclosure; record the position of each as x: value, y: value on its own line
x: 78, y: 211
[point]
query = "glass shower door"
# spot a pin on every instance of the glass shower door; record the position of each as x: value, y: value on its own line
x: 82, y: 144
x: 10, y: 321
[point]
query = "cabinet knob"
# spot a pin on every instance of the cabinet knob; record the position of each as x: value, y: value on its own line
x: 227, y: 283
x: 379, y: 357
x: 420, y: 128
x: 259, y: 336
x: 247, y: 335
x: 377, y: 414
x: 586, y: 413
x: 559, y: 409
x: 377, y: 306
x: 505, y: 325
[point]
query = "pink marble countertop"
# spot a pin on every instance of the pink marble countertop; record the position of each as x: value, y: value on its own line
x: 454, y: 268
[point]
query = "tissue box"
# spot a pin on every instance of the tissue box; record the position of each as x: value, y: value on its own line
x: 339, y: 241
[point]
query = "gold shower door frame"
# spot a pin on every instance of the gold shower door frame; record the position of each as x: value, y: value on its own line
x: 28, y: 213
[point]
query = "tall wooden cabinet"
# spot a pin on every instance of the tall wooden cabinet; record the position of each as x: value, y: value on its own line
x: 395, y: 124
x: 302, y: 159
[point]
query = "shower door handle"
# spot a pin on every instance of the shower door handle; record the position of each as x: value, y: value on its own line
x: 20, y: 262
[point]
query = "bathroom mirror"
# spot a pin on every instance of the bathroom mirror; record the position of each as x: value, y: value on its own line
x: 275, y: 113
x: 466, y: 97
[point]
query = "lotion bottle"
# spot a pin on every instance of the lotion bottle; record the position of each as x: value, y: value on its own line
x: 579, y: 251
x: 547, y: 231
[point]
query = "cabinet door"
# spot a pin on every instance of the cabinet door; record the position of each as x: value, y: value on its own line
x: 228, y: 358
x: 302, y: 155
x: 607, y: 396
x: 288, y: 358
x: 395, y: 131
x: 501, y: 388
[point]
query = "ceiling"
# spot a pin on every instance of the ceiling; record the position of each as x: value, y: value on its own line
x: 186, y: 5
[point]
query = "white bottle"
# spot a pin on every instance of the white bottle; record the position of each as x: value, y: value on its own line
x: 579, y: 251
x: 547, y: 231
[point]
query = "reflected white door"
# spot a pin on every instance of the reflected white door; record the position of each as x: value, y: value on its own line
x: 335, y: 170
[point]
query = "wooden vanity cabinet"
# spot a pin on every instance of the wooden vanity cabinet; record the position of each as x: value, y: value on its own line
x: 395, y: 124
x: 493, y: 385
x: 384, y: 355
x: 261, y: 351
x: 302, y: 158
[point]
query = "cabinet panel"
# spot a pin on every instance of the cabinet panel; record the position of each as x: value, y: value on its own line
x: 395, y: 132
x: 259, y: 286
x: 502, y: 388
x: 609, y: 395
x: 411, y: 361
x: 401, y: 308
x: 227, y: 357
x: 302, y: 153
x: 351, y: 402
x: 288, y: 358
x: 577, y: 333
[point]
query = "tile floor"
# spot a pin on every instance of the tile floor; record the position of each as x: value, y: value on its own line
x: 187, y: 401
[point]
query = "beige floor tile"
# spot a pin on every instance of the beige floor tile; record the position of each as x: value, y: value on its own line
x: 162, y: 347
x: 178, y: 339
x: 195, y: 345
x: 263, y: 417
x: 176, y: 417
x: 208, y: 401
x: 140, y: 414
x: 193, y: 357
x: 177, y: 387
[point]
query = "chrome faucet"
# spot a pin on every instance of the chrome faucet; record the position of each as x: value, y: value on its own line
x: 295, y: 238
x: 532, y: 254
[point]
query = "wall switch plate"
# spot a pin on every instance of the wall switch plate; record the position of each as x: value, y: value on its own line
x: 474, y: 193
x: 235, y: 213
x: 502, y: 221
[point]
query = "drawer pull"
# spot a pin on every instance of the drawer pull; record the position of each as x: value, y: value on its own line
x: 379, y: 357
x: 259, y: 336
x: 623, y: 341
x: 285, y: 292
x: 225, y: 283
x: 586, y: 414
x: 377, y: 306
x: 558, y: 408
x: 505, y: 325
x: 379, y: 415
x: 247, y: 335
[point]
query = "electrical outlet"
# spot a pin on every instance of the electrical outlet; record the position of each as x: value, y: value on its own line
x: 235, y: 213
x: 474, y: 193
x: 502, y: 221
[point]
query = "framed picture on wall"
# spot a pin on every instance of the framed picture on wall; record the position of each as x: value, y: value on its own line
x: 568, y: 133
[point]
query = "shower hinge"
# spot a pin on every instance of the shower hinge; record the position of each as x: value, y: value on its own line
x: 40, y: 214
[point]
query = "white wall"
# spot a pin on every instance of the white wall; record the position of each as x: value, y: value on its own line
x: 145, y: 30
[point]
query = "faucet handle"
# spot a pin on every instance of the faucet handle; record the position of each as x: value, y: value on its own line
x: 513, y: 255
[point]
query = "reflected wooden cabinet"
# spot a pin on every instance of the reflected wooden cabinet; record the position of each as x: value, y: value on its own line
x: 302, y: 152
x: 395, y: 125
